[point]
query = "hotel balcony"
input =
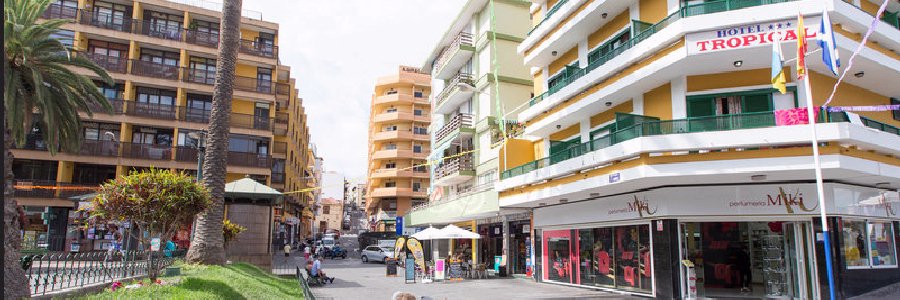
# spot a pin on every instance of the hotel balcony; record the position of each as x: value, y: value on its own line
x: 155, y: 70
x: 57, y: 11
x: 717, y: 149
x: 112, y: 64
x: 454, y: 56
x: 259, y: 49
x: 454, y: 171
x: 151, y: 110
x: 398, y: 154
x: 398, y: 98
x: 454, y: 94
x: 398, y: 173
x: 384, y: 192
x: 397, y: 135
x: 281, y: 123
x: 459, y: 125
x: 401, y: 116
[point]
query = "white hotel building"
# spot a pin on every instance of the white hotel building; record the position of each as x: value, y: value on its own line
x: 655, y: 165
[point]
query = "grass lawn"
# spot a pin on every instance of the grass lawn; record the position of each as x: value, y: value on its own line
x: 237, y: 281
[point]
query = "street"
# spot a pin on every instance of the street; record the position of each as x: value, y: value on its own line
x: 354, y: 279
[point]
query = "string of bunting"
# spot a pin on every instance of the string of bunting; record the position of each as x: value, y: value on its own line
x: 863, y: 108
x: 859, y: 48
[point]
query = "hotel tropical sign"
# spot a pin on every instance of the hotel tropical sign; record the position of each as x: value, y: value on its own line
x: 749, y: 35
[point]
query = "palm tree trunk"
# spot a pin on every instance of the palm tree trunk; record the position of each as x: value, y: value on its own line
x: 208, y: 245
x: 14, y: 281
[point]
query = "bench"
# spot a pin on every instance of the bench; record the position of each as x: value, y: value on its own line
x: 305, y: 282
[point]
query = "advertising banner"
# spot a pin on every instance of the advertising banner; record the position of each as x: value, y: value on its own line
x: 398, y: 246
x: 439, y: 269
x: 415, y: 247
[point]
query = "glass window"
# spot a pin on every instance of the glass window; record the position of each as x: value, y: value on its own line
x: 854, y: 238
x: 558, y: 263
x: 418, y: 112
x: 160, y: 57
x: 66, y: 37
x: 587, y: 261
x: 881, y: 241
x: 632, y: 258
x: 156, y: 96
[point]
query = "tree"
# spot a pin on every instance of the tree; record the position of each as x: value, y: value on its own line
x: 41, y: 90
x: 157, y: 201
x: 208, y: 244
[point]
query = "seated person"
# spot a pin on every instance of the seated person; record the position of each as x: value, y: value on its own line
x: 317, y: 270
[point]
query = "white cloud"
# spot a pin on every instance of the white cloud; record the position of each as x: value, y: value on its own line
x: 336, y: 50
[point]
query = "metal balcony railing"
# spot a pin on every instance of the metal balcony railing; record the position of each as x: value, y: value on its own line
x: 103, y: 148
x: 259, y: 49
x: 33, y: 141
x: 57, y: 11
x: 151, y: 110
x: 461, y: 39
x: 112, y: 64
x: 105, y: 20
x: 156, y: 70
x: 202, y: 38
x: 146, y: 151
x: 247, y: 159
x: 192, y: 114
x: 458, y: 121
x: 250, y: 121
x: 454, y: 165
x: 153, y: 28
x: 186, y: 153
x: 461, y: 78
x: 199, y: 76
x: 282, y: 89
x: 250, y: 84
x: 116, y: 104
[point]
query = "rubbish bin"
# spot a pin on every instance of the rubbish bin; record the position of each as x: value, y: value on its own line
x: 502, y: 272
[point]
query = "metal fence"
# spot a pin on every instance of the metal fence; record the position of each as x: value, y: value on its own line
x: 57, y: 271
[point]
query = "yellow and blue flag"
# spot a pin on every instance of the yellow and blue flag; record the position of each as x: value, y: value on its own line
x: 778, y: 78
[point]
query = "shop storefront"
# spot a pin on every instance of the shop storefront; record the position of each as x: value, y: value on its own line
x: 720, y: 241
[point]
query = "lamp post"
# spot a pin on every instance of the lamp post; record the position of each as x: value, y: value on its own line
x: 200, y: 137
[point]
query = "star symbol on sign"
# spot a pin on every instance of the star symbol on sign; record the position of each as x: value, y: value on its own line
x: 771, y: 26
x: 788, y: 24
x: 779, y: 25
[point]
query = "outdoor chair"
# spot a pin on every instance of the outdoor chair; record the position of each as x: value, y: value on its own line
x: 479, y: 272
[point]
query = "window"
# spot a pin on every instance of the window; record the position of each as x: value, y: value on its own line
x: 163, y: 25
x: 391, y: 92
x: 156, y: 96
x: 420, y: 130
x: 66, y: 37
x: 391, y: 110
x: 390, y: 146
x: 418, y: 112
x: 198, y: 108
x: 598, y: 54
x: 108, y: 49
x: 417, y: 94
x: 727, y: 104
x: 390, y: 165
x: 419, y: 168
x: 111, y: 15
x: 417, y: 186
x: 113, y: 93
x: 202, y: 70
x: 417, y: 148
x: 326, y: 209
x: 390, y: 184
x: 390, y: 128
x: 264, y: 80
x: 160, y: 57
x: 98, y: 131
x: 26, y: 169
x: 868, y: 244
x: 151, y: 136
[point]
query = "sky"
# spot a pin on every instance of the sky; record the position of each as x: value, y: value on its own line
x: 337, y: 48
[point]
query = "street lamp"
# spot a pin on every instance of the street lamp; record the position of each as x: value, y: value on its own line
x: 200, y: 137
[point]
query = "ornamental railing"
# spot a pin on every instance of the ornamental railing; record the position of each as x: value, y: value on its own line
x: 55, y: 271
x: 458, y: 121
x: 461, y: 39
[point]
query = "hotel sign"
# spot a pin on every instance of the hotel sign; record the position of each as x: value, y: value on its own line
x: 749, y: 36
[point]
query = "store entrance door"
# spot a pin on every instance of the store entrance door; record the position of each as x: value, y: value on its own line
x: 749, y: 260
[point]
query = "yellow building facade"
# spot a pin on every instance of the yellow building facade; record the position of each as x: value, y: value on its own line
x: 399, y: 146
x: 162, y: 56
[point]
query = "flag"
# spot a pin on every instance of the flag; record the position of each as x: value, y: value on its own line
x: 826, y: 41
x: 778, y: 78
x: 801, y: 47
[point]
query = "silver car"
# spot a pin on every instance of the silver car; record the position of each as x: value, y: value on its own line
x: 375, y: 253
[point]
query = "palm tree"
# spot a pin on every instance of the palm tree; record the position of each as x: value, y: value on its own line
x: 208, y: 244
x: 40, y: 91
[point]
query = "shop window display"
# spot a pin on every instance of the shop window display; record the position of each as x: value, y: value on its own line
x: 560, y: 259
x: 597, y: 255
x: 881, y: 241
x: 612, y: 257
x: 632, y: 258
x: 855, y: 250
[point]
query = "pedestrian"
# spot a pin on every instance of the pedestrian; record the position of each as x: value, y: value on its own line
x: 287, y: 250
x: 306, y: 252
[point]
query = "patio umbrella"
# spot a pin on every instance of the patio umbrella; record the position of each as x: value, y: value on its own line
x: 453, y: 232
x: 429, y: 233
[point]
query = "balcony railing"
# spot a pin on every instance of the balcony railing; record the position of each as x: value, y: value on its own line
x: 454, y: 165
x: 549, y: 13
x: 156, y: 70
x: 247, y: 159
x: 32, y: 142
x: 99, y: 148
x: 251, y: 121
x: 105, y: 20
x: 259, y: 49
x: 281, y: 118
x: 112, y: 64
x: 282, y: 89
x: 645, y: 32
x: 115, y: 103
x: 462, y: 39
x: 458, y: 121
x: 461, y: 78
x: 199, y: 76
x: 207, y: 39
x: 57, y: 11
x: 151, y: 110
x: 155, y: 29
x: 28, y: 188
x: 146, y: 151
x: 277, y: 177
x: 250, y: 84
x: 186, y: 153
x: 280, y: 147
x: 666, y: 127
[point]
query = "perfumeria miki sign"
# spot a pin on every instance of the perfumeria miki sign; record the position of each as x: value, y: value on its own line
x: 747, y: 36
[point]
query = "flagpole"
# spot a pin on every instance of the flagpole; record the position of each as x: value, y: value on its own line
x: 820, y: 186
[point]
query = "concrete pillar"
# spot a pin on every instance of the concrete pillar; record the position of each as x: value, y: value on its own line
x: 474, y: 243
x: 679, y: 100
x: 585, y: 131
x: 505, y: 252
x: 583, y: 51
x: 637, y: 104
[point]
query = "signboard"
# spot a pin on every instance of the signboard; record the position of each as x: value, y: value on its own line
x: 749, y: 35
x: 154, y: 244
x: 439, y: 269
x: 410, y: 270
x: 399, y: 225
x: 398, y: 246
x: 498, y: 260
x: 614, y: 177
x: 737, y: 200
x: 390, y: 268
x: 415, y: 247
x: 455, y: 270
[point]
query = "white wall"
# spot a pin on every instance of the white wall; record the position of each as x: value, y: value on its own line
x: 333, y: 185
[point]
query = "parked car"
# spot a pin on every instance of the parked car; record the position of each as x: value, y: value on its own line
x: 371, y: 238
x: 334, y: 232
x: 375, y: 253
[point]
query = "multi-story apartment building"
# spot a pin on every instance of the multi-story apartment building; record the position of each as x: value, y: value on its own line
x: 162, y: 56
x: 657, y: 161
x: 331, y: 215
x: 481, y: 79
x: 398, y: 146
x: 313, y: 177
